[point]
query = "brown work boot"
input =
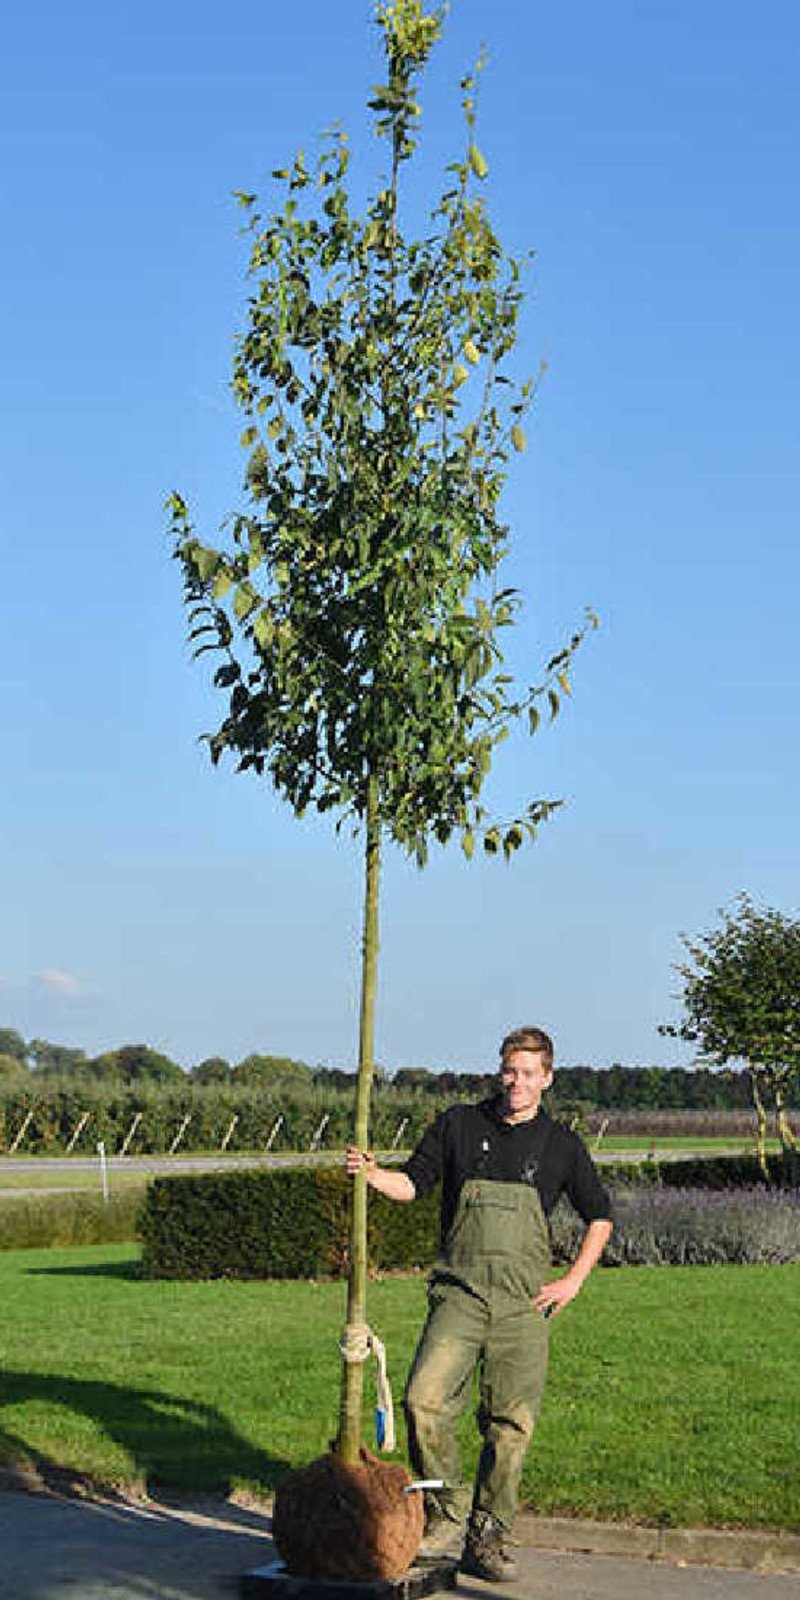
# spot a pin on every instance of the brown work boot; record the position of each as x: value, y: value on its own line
x: 486, y: 1554
x: 442, y: 1538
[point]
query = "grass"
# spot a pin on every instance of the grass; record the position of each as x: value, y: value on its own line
x: 673, y: 1395
x: 47, y: 1218
x: 678, y: 1144
x: 13, y: 1184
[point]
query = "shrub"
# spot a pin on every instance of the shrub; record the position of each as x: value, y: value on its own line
x: 251, y: 1224
x: 692, y: 1227
x: 39, y: 1222
x: 274, y: 1223
x: 292, y: 1223
x: 704, y: 1172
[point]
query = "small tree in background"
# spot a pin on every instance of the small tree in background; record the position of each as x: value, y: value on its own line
x: 741, y: 996
x: 212, y: 1070
x: 356, y: 602
x: 12, y: 1044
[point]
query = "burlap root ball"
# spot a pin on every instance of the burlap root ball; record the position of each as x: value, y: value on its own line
x: 335, y: 1521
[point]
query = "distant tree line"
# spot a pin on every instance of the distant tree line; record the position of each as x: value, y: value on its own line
x: 583, y: 1087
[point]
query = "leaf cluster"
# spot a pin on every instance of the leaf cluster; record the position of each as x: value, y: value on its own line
x: 354, y: 602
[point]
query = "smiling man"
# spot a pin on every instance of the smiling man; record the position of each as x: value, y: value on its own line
x: 503, y: 1164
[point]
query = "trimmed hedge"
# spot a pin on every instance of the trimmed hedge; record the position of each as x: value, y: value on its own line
x: 294, y: 1222
x: 274, y: 1223
x: 706, y: 1172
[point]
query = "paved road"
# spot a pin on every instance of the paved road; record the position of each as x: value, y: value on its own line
x: 53, y: 1548
x: 87, y: 1169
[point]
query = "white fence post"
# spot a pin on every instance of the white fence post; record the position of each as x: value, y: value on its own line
x: 399, y: 1134
x: 22, y: 1132
x: 231, y: 1126
x: 126, y: 1143
x: 603, y: 1126
x: 101, y: 1151
x: 78, y: 1131
x: 180, y: 1133
x: 273, y: 1131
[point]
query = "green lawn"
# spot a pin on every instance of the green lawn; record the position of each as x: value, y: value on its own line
x: 674, y: 1393
x: 684, y: 1144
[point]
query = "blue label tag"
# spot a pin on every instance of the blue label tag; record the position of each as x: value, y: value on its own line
x: 380, y: 1427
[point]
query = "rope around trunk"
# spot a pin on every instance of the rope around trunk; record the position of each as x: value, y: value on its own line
x: 357, y: 1343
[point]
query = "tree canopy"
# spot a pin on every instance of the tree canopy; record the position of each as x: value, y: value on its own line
x: 272, y: 1073
x: 741, y: 998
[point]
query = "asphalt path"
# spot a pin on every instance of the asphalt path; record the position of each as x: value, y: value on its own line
x: 56, y: 1548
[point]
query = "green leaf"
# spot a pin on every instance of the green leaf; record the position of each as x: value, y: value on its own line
x: 468, y: 843
x: 564, y: 681
x: 555, y: 703
x: 205, y: 561
x: 248, y: 438
x: 460, y: 373
x: 491, y: 841
x: 221, y: 584
x: 264, y: 629
x: 478, y: 163
x: 518, y: 438
x: 534, y: 718
x: 472, y: 352
x: 244, y: 601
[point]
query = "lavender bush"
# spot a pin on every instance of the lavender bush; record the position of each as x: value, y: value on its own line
x: 692, y: 1227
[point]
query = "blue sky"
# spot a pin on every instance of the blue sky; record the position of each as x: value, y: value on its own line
x: 649, y: 155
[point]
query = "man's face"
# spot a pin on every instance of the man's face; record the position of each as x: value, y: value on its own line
x: 524, y: 1077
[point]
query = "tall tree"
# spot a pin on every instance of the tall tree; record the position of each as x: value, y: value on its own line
x: 356, y: 601
x: 741, y: 997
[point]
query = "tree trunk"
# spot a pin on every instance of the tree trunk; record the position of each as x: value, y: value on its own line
x: 348, y: 1443
x: 786, y: 1133
x: 761, y: 1115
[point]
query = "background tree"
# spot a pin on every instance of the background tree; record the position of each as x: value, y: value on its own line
x: 56, y: 1060
x: 741, y: 996
x: 12, y: 1044
x: 355, y: 601
x: 13, y: 1071
x: 137, y: 1064
x: 214, y: 1069
x: 272, y: 1072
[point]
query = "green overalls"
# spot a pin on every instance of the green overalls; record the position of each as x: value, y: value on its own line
x: 495, y: 1259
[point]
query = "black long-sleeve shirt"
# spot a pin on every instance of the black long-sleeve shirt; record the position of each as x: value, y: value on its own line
x: 473, y: 1141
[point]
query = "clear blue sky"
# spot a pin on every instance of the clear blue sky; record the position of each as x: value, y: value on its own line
x: 649, y: 155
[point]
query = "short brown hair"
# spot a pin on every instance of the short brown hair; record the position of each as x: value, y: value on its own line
x: 533, y: 1039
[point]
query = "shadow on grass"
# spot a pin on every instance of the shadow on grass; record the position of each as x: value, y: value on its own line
x: 102, y: 1269
x: 171, y: 1442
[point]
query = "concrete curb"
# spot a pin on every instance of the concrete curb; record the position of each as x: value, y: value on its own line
x: 751, y: 1549
x: 766, y: 1551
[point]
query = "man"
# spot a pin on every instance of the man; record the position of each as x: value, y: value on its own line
x: 502, y: 1164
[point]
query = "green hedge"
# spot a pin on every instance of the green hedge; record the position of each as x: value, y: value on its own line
x: 705, y: 1172
x: 274, y: 1223
x: 293, y: 1222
